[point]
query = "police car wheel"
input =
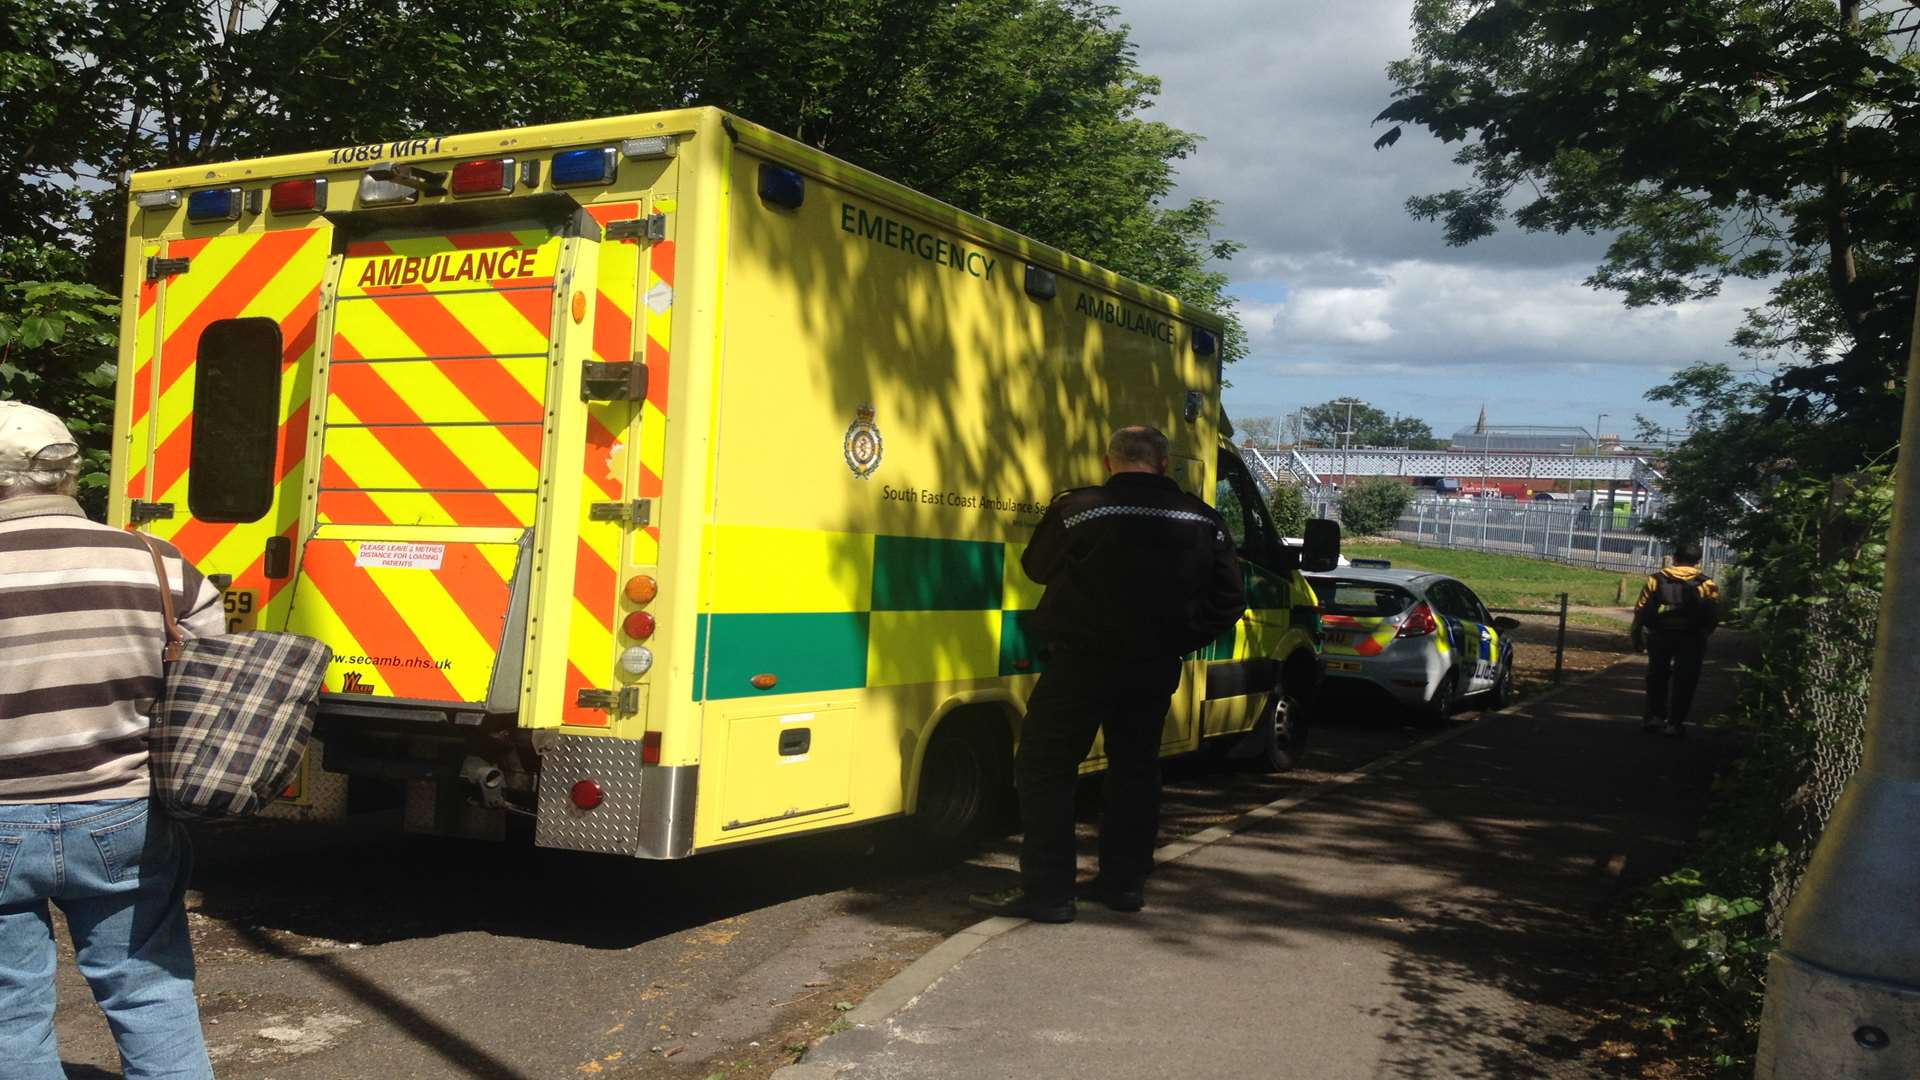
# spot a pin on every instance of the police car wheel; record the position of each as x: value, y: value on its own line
x: 1440, y: 706
x: 963, y: 781
x: 1502, y: 691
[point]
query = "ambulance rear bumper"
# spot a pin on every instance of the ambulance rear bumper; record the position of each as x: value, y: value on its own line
x: 645, y: 811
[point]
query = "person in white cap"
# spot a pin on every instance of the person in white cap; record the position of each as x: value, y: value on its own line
x: 81, y: 633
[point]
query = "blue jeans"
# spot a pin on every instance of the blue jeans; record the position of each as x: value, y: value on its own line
x: 119, y: 875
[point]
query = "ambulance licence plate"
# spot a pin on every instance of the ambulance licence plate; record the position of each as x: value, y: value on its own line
x: 1342, y: 665
x: 242, y: 610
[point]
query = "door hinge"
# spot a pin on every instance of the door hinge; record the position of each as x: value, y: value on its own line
x: 623, y: 701
x: 651, y: 229
x: 140, y: 511
x: 158, y: 267
x: 613, y: 380
x: 636, y: 512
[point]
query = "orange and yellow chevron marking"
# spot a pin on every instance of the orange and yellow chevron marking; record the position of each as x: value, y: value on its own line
x: 274, y: 275
x: 423, y: 623
x: 437, y: 387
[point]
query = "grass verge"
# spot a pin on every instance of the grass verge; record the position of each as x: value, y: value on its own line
x: 1510, y: 580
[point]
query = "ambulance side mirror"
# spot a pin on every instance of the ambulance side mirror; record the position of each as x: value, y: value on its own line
x: 1321, y: 552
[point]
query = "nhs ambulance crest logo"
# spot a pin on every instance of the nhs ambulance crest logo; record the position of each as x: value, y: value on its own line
x: 863, y: 445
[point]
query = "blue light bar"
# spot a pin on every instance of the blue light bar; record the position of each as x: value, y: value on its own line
x: 574, y: 167
x: 218, y: 204
x: 782, y: 186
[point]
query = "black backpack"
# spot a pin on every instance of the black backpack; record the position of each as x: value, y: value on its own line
x: 1680, y: 605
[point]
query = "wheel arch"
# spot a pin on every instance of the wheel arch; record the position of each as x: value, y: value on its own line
x: 980, y: 706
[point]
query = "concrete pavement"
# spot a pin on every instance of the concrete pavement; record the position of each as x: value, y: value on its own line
x: 1438, y: 917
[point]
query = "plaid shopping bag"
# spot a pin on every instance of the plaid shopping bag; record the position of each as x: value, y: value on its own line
x: 234, y: 717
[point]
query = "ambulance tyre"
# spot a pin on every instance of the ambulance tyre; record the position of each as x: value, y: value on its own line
x: 964, y: 781
x: 1280, y: 734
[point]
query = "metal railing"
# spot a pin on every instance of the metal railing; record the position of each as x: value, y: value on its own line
x: 1562, y: 531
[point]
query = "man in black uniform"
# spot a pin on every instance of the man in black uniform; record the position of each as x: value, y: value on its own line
x: 1138, y: 574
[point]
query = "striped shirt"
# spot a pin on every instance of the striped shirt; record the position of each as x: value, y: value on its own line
x: 81, y: 633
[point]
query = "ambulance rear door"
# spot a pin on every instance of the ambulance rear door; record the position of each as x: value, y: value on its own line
x: 442, y: 376
x: 220, y: 391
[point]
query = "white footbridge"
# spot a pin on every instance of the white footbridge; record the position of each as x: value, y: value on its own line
x: 1308, y: 466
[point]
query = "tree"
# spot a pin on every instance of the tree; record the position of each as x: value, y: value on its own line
x: 1709, y: 138
x: 1372, y: 505
x: 1258, y: 430
x: 1326, y: 425
x: 1290, y: 509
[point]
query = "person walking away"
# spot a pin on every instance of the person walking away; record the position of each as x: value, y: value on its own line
x: 1676, y: 611
x: 81, y: 634
x: 1138, y: 574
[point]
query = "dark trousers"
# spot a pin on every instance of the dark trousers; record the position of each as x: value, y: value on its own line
x: 1673, y: 673
x: 1077, y: 696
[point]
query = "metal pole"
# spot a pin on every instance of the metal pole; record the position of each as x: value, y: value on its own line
x: 1560, y: 641
x: 1843, y: 988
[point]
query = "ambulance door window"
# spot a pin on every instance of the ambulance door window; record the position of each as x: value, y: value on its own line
x: 236, y: 407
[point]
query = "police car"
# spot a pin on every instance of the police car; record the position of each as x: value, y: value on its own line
x: 1424, y: 638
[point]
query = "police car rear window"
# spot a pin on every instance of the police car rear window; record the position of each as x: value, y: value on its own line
x: 1361, y: 598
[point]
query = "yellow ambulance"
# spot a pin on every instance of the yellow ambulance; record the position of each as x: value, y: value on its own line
x: 658, y: 480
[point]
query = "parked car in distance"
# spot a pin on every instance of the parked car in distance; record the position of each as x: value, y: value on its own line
x: 1423, y: 638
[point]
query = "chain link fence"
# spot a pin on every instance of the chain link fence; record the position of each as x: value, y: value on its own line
x: 1827, y: 695
x: 1562, y: 531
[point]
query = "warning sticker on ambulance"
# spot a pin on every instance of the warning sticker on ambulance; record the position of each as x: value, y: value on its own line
x: 400, y: 556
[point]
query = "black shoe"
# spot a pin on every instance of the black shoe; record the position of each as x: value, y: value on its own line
x: 1651, y: 723
x: 1673, y: 730
x: 1014, y: 902
x: 1126, y: 898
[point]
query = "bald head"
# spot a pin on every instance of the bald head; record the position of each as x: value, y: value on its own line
x: 1138, y: 449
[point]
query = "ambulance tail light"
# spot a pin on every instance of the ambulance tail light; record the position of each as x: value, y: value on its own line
x: 1420, y: 622
x: 297, y: 196
x: 219, y: 204
x: 650, y: 748
x: 641, y: 589
x: 639, y: 625
x: 490, y: 176
x: 573, y: 168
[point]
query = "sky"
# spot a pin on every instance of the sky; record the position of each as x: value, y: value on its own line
x: 1342, y: 292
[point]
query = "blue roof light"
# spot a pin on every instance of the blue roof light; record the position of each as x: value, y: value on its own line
x: 592, y: 166
x: 782, y: 186
x: 218, y: 204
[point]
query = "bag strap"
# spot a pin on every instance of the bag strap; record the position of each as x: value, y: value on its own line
x: 175, y: 640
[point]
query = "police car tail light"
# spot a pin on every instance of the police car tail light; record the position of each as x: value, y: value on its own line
x: 1419, y: 622
x: 491, y: 176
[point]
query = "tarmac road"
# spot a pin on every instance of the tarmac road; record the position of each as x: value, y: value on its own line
x: 354, y: 951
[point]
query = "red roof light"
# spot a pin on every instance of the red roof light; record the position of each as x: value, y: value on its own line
x: 491, y: 176
x: 297, y: 196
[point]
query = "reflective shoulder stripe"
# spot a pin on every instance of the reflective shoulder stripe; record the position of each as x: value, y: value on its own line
x: 1085, y: 516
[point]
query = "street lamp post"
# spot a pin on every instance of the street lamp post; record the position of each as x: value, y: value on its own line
x: 1346, y: 455
x: 1596, y: 453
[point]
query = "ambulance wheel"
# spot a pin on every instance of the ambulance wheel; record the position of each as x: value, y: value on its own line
x: 964, y: 781
x: 1282, y: 732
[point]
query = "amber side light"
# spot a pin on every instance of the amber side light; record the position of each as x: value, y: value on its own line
x: 764, y: 682
x: 641, y: 589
